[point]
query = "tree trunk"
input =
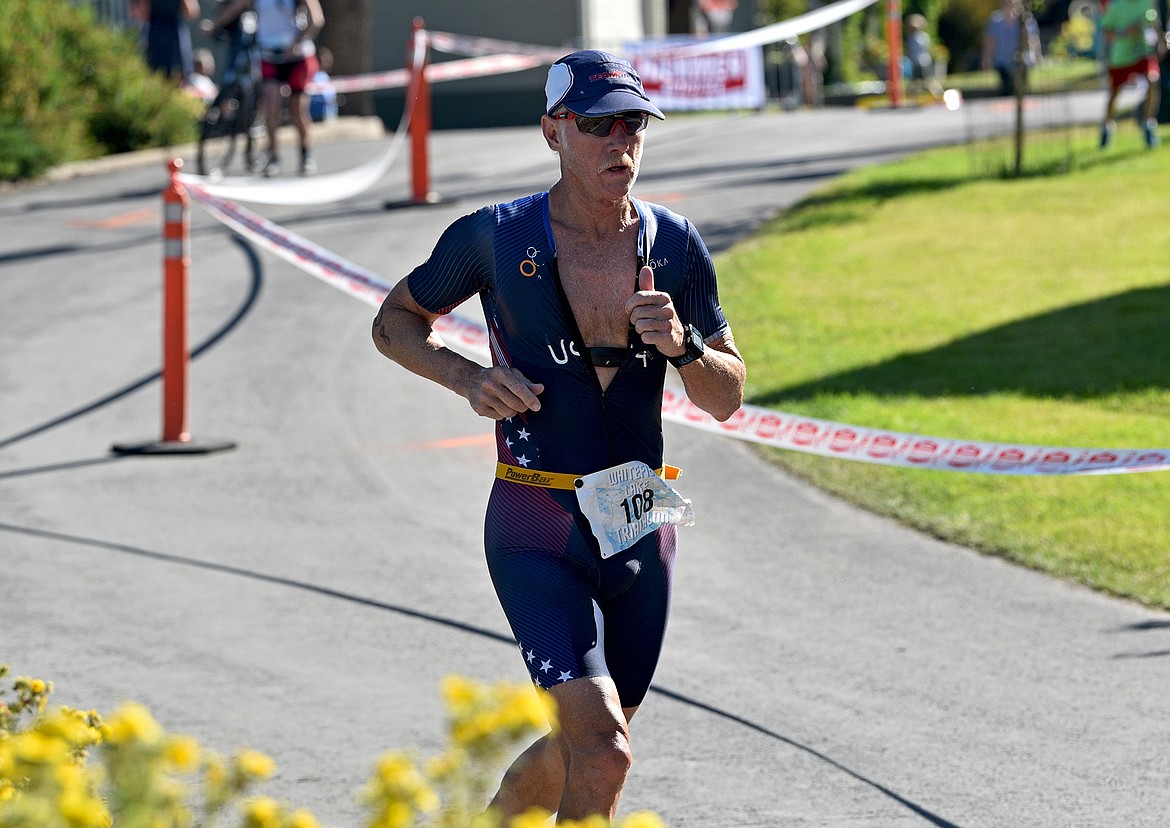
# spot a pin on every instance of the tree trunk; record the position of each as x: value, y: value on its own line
x: 348, y: 24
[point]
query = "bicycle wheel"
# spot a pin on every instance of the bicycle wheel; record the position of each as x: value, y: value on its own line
x: 224, y: 124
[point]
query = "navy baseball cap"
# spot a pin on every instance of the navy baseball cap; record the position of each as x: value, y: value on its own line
x: 595, y: 83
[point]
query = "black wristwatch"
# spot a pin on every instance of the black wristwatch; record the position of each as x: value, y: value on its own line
x: 695, y: 348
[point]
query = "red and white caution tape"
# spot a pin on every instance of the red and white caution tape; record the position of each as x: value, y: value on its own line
x: 480, y: 66
x: 774, y: 33
x: 391, y: 79
x: 914, y: 451
x: 495, y: 64
x: 476, y: 67
x: 294, y: 249
x: 752, y: 423
x: 472, y: 46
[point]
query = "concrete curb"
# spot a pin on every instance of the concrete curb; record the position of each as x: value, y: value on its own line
x: 361, y: 128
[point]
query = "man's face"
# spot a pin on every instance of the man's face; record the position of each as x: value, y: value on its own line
x: 604, y: 166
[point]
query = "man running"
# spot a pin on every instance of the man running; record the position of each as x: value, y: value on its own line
x: 588, y: 294
x: 1134, y: 45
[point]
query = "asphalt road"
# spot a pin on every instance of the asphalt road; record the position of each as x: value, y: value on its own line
x: 305, y: 593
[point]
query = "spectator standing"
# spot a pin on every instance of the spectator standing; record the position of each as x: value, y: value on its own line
x: 168, y: 39
x: 1003, y: 50
x: 919, y: 57
x: 288, y: 57
x: 1134, y: 44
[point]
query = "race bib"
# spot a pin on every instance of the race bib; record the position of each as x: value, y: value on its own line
x: 626, y: 502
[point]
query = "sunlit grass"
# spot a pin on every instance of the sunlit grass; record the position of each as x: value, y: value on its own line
x: 917, y: 297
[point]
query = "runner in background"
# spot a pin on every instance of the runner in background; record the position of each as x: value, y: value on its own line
x: 1134, y: 44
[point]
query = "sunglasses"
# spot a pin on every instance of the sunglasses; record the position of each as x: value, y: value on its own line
x: 634, y: 122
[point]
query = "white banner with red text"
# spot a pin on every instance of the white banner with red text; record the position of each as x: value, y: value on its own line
x: 731, y: 79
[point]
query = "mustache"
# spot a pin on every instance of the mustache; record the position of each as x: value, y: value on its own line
x: 623, y: 160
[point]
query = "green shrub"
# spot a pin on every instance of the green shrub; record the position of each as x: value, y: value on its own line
x: 73, y: 89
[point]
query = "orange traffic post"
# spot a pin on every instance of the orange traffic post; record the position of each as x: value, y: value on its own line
x: 175, y: 356
x: 894, y: 64
x: 420, y: 119
x: 176, y: 263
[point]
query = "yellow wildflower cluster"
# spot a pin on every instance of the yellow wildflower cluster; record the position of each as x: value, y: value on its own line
x: 483, y: 719
x: 143, y: 776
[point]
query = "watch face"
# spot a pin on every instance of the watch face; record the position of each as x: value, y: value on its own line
x: 695, y: 341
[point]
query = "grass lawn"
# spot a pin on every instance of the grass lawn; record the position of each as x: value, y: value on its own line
x: 1050, y: 76
x: 919, y: 297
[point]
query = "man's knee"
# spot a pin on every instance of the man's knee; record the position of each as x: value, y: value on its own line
x: 603, y: 757
x: 594, y: 736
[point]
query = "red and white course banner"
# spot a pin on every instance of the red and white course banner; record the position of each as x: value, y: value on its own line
x: 680, y: 80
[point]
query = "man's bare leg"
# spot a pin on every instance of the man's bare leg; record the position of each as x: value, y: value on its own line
x: 535, y: 780
x: 538, y: 778
x: 270, y: 102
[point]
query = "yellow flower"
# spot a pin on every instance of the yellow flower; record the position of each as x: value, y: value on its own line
x: 132, y: 723
x: 445, y: 765
x: 182, y: 753
x: 214, y: 772
x: 394, y: 815
x: 595, y: 821
x: 38, y: 748
x: 532, y: 818
x: 81, y: 810
x: 262, y: 812
x: 643, y: 819
x: 459, y: 693
x: 302, y: 818
x: 396, y: 769
x: 71, y: 726
x: 255, y: 765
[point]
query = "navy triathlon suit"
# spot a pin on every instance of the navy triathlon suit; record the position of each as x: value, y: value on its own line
x: 572, y: 613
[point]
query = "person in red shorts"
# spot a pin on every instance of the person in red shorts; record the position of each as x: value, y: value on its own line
x: 1134, y: 43
x: 288, y: 57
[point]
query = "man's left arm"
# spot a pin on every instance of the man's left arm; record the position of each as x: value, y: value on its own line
x: 714, y: 381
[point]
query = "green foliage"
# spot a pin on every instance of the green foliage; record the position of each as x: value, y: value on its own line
x: 72, y: 89
x: 921, y: 298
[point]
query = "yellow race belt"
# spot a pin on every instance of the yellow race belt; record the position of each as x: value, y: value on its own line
x: 561, y: 480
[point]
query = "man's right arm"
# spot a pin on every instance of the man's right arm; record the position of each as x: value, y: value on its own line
x: 404, y: 332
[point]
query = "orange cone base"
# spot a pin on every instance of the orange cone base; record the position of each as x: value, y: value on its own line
x: 189, y: 446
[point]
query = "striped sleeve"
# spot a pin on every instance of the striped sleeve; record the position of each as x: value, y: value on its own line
x: 700, y: 300
x: 461, y: 265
